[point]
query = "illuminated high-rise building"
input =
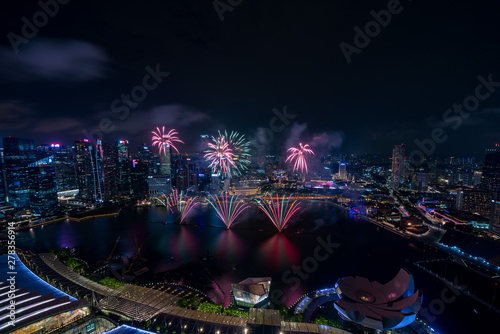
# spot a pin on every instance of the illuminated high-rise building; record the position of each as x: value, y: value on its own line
x: 43, y: 186
x: 122, y: 150
x: 478, y: 175
x: 18, y: 154
x: 82, y: 169
x: 166, y: 162
x: 342, y: 171
x: 89, y: 171
x: 146, y: 157
x: 491, y: 171
x: 139, y: 176
x: 422, y: 181
x: 124, y: 177
x: 205, y: 139
x: 398, y: 156
x: 110, y: 171
x: 64, y: 167
x: 3, y: 183
x: 495, y: 217
x: 477, y: 201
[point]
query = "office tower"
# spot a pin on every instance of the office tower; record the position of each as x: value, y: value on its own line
x: 186, y: 176
x: 139, y: 177
x: 3, y: 183
x: 495, y: 217
x: 477, y: 201
x: 205, y: 139
x: 82, y: 166
x: 18, y: 154
x: 146, y: 157
x: 166, y: 162
x: 96, y: 161
x: 491, y: 172
x: 124, y: 177
x: 123, y: 150
x: 467, y: 178
x: 478, y: 175
x: 64, y: 167
x: 203, y: 179
x: 110, y: 171
x: 398, y: 156
x: 88, y: 170
x: 43, y: 186
x: 422, y: 181
x: 342, y: 171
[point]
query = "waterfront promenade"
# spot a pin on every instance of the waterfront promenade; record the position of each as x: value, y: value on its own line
x: 141, y: 304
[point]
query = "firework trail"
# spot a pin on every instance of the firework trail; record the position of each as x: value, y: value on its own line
x: 180, y: 204
x: 228, y: 153
x: 298, y: 155
x: 227, y: 209
x: 279, y: 211
x: 165, y: 140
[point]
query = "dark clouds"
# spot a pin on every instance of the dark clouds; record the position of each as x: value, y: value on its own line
x: 265, y: 54
x: 51, y: 59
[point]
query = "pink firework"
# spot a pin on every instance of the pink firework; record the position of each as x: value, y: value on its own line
x: 227, y: 209
x: 165, y: 140
x: 220, y: 155
x: 180, y: 204
x: 298, y: 156
x: 279, y: 211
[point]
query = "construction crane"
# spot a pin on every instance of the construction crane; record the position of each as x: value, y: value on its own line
x: 112, y: 251
x: 136, y: 256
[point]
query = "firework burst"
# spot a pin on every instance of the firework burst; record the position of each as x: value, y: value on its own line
x: 228, y: 209
x: 228, y: 153
x: 165, y: 140
x: 298, y: 156
x: 220, y: 156
x: 180, y: 204
x: 279, y: 211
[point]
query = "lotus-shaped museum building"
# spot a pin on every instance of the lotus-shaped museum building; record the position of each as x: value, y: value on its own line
x: 379, y: 306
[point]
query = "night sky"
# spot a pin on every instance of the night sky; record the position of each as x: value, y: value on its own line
x: 265, y: 54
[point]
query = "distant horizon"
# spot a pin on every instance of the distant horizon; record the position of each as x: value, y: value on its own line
x: 134, y: 149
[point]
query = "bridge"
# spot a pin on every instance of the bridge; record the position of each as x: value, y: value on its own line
x: 310, y: 303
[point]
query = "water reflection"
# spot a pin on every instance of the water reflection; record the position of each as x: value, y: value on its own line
x: 278, y: 252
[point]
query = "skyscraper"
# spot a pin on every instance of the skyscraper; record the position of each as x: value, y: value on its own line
x: 475, y: 200
x: 205, y: 139
x: 491, y: 172
x: 146, y: 157
x: 123, y: 150
x: 124, y: 177
x: 82, y: 165
x: 110, y: 171
x: 166, y: 162
x: 398, y: 156
x: 64, y: 167
x: 139, y: 177
x: 18, y: 154
x: 43, y: 186
x: 495, y: 217
x: 89, y: 172
x: 3, y: 183
x: 342, y: 171
x: 422, y: 181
